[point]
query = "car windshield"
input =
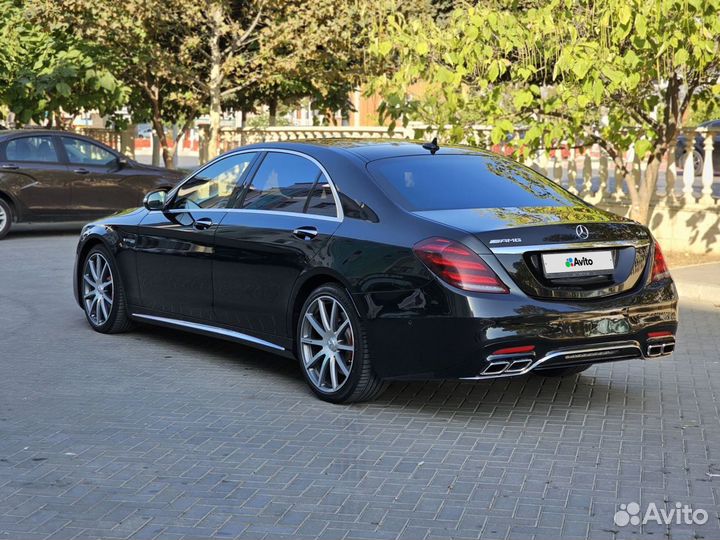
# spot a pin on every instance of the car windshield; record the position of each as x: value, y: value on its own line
x: 445, y: 182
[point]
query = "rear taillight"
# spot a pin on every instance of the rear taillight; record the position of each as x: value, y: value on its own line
x: 459, y: 266
x: 660, y: 269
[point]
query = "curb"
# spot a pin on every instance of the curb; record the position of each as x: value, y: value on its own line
x: 697, y: 291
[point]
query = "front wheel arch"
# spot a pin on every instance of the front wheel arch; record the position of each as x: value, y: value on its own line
x: 88, y: 245
x: 12, y: 204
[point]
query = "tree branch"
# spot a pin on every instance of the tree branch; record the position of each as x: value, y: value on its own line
x: 237, y: 43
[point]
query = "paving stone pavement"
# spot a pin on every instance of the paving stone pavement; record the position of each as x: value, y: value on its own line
x: 159, y: 434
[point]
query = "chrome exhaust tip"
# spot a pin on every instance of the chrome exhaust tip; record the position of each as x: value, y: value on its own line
x: 662, y: 348
x: 518, y: 365
x: 496, y: 368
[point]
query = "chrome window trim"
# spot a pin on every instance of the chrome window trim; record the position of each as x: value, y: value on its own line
x: 251, y: 211
x: 339, y: 214
x: 211, y: 329
x: 519, y: 249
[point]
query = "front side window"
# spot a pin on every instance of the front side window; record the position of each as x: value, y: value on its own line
x: 38, y: 148
x: 213, y: 186
x: 282, y: 183
x: 81, y: 152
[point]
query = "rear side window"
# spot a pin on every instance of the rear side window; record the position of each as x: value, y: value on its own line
x: 39, y: 149
x: 321, y: 200
x: 445, y: 182
x: 282, y: 183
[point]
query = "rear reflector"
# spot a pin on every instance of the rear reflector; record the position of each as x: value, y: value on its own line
x: 660, y: 269
x: 660, y: 334
x: 515, y: 350
x: 459, y: 266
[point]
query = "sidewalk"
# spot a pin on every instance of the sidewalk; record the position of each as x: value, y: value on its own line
x: 699, y: 282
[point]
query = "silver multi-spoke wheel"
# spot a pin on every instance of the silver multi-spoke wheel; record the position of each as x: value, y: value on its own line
x: 98, y: 289
x: 3, y: 218
x: 327, y: 344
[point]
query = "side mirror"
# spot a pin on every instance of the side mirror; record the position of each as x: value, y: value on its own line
x: 155, y: 200
x: 122, y: 162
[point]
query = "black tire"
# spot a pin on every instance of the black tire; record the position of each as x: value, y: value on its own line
x: 117, y: 320
x: 6, y: 213
x: 362, y: 384
x: 561, y: 372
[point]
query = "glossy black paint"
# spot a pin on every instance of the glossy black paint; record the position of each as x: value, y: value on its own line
x: 247, y: 272
x: 58, y: 190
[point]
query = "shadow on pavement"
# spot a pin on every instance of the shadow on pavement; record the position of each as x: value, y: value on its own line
x: 29, y: 230
x: 439, y: 398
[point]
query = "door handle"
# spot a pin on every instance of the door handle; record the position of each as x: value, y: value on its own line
x: 80, y: 170
x: 305, y: 233
x: 9, y: 166
x: 203, y: 223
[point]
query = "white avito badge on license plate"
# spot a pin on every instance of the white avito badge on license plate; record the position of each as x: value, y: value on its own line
x: 578, y: 263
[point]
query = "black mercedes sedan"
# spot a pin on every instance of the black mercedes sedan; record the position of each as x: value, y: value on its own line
x: 379, y: 261
x: 61, y: 176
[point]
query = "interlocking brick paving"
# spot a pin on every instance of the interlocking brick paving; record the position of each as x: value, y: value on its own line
x: 160, y: 434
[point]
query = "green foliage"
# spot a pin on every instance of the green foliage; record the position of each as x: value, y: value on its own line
x: 319, y: 49
x: 46, y: 69
x: 704, y: 110
x: 575, y: 70
x: 612, y: 72
x: 143, y: 43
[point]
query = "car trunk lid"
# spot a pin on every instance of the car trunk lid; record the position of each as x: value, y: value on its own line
x: 530, y: 242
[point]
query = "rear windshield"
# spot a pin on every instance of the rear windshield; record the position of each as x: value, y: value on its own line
x: 445, y: 182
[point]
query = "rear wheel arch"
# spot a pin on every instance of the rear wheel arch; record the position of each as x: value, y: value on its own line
x: 305, y: 288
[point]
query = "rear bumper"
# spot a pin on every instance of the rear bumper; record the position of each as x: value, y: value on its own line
x: 424, y: 344
x: 578, y: 355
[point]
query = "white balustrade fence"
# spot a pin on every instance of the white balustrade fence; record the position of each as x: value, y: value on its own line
x: 685, y: 212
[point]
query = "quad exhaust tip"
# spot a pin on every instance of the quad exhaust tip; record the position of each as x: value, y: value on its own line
x: 516, y: 365
x: 660, y: 349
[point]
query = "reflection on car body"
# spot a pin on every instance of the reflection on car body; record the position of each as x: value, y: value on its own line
x: 378, y: 261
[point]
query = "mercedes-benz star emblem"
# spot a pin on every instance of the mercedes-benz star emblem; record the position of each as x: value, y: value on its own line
x: 582, y: 232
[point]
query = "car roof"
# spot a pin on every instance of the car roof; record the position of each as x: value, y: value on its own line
x: 367, y: 149
x: 8, y: 133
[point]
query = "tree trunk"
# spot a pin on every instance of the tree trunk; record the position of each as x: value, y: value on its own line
x: 216, y: 80
x: 641, y: 208
x: 272, y: 111
x: 162, y: 139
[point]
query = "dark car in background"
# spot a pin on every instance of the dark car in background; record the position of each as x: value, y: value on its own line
x: 698, y: 149
x: 60, y: 176
x: 377, y: 261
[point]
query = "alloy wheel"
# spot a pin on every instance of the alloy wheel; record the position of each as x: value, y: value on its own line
x: 697, y: 163
x: 98, y: 289
x: 327, y: 344
x: 3, y: 218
